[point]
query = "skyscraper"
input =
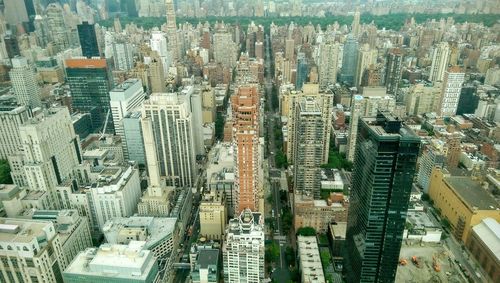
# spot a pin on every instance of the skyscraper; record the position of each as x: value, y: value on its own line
x: 90, y: 81
x: 393, y: 70
x: 245, y: 106
x: 355, y: 27
x: 225, y: 50
x: 172, y: 30
x: 124, y: 99
x: 328, y: 63
x: 384, y: 166
x: 243, y: 249
x: 366, y: 58
x: 302, y: 71
x: 12, y: 117
x: 308, y: 151
x: 450, y: 92
x: 24, y: 83
x: 57, y: 27
x: 88, y: 40
x: 123, y: 56
x: 440, y: 58
x: 349, y: 60
x: 167, y: 125
x: 366, y: 105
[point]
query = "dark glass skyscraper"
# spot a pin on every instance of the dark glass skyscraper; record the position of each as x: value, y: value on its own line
x: 302, y: 71
x: 384, y: 166
x: 90, y: 81
x: 349, y: 60
x: 393, y: 70
x: 88, y: 40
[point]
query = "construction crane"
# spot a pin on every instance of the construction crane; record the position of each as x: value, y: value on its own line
x: 105, y: 125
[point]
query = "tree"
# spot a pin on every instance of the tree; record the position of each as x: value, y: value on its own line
x: 219, y: 126
x: 306, y: 231
x: 272, y: 252
x: 5, y: 177
x: 290, y: 256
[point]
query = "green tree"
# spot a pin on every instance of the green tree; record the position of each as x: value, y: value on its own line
x: 290, y: 256
x: 272, y: 252
x: 219, y: 126
x: 5, y: 177
x: 306, y: 231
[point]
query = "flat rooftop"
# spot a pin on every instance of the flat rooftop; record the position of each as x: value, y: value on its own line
x: 207, y: 257
x: 22, y: 230
x: 489, y: 233
x: 472, y: 193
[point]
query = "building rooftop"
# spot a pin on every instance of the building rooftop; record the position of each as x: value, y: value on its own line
x: 310, y: 259
x: 153, y: 229
x: 208, y: 257
x: 126, y: 262
x: 489, y: 233
x: 338, y: 230
x: 472, y: 193
x: 24, y: 231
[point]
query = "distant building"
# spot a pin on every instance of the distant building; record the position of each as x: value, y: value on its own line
x: 24, y: 83
x: 90, y: 81
x: 88, y: 40
x: 319, y: 213
x: 450, y: 92
x: 243, y: 250
x: 108, y: 264
x: 133, y: 137
x: 12, y: 117
x: 349, y: 61
x: 440, y: 59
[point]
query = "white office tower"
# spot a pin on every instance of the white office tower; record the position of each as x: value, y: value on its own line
x: 124, y: 99
x: 12, y: 117
x: 24, y: 84
x: 51, y: 150
x: 450, y: 92
x: 168, y: 129
x: 367, y: 104
x: 31, y: 251
x: 328, y: 63
x: 440, y: 59
x: 113, y: 263
x: 158, y: 43
x: 243, y: 250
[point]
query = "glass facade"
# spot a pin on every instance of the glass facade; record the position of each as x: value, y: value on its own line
x: 384, y: 167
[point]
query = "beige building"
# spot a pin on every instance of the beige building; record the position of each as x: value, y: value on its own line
x: 422, y: 98
x: 310, y: 260
x: 11, y: 118
x: 462, y: 201
x: 213, y: 215
x: 208, y: 104
x: 155, y: 202
x: 24, y: 257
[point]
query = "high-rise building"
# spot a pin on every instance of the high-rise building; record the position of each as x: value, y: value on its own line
x: 325, y: 101
x: 12, y: 117
x: 123, y: 55
x: 88, y: 40
x: 57, y: 27
x: 113, y: 263
x: 243, y: 249
x: 366, y: 105
x: 308, y: 147
x: 132, y: 132
x: 173, y: 47
x: 440, y: 58
x: 302, y: 71
x: 124, y: 99
x: 433, y: 155
x: 168, y: 128
x: 24, y: 83
x: 366, y: 58
x: 11, y: 45
x: 34, y: 260
x: 90, y: 81
x: 328, y: 63
x: 206, y: 266
x: 393, y: 70
x: 225, y: 50
x: 450, y: 92
x: 245, y: 106
x: 289, y: 49
x: 385, y: 162
x: 349, y: 60
x: 157, y: 74
x: 213, y: 215
x: 355, y: 27
x: 50, y: 151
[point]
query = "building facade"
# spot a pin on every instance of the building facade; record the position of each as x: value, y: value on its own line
x: 385, y: 162
x: 24, y: 83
